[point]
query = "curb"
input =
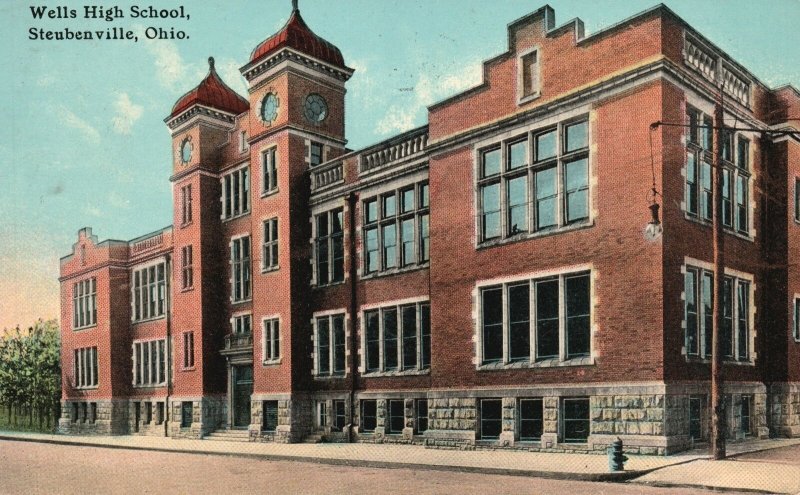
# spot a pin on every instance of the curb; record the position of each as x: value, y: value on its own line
x: 719, y: 489
x: 617, y: 477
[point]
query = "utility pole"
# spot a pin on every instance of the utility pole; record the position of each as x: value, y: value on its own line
x: 718, y: 429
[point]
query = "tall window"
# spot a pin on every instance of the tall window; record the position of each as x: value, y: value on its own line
x: 149, y: 292
x: 396, y: 229
x: 699, y: 308
x: 84, y: 303
x: 188, y: 349
x: 236, y: 193
x: 531, y: 419
x: 796, y: 331
x: 85, y: 370
x: 797, y: 199
x: 316, y: 155
x: 533, y: 308
x: 269, y: 164
x: 735, y: 173
x: 329, y: 247
x: 242, y: 324
x: 534, y: 182
x: 271, y: 340
x: 398, y: 338
x: 529, y: 74
x: 186, y: 204
x: 269, y: 250
x: 149, y: 363
x: 187, y: 270
x: 240, y: 268
x: 369, y: 415
x: 330, y: 342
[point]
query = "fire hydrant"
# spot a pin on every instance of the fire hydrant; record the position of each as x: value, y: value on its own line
x: 616, y: 458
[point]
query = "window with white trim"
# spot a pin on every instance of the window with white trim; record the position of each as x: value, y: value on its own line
x: 84, y: 303
x: 796, y: 330
x: 398, y: 338
x: 186, y: 204
x: 242, y: 141
x: 187, y: 270
x: 698, y: 198
x: 396, y: 229
x: 269, y: 164
x: 236, y: 193
x: 269, y: 249
x: 242, y: 324
x: 546, y: 318
x: 271, y: 340
x: 85, y: 370
x: 529, y: 75
x: 316, y: 155
x: 534, y: 182
x: 188, y: 349
x: 698, y: 315
x: 329, y: 247
x: 149, y: 292
x: 240, y: 269
x: 329, y: 337
x: 149, y: 363
x: 797, y: 199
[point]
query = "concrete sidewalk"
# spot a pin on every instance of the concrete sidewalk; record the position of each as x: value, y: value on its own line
x: 584, y: 467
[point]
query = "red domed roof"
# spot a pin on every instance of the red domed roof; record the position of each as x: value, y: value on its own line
x: 297, y: 35
x: 212, y: 92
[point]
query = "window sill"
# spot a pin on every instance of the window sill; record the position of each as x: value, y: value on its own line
x: 191, y: 368
x: 241, y: 301
x: 149, y: 386
x: 87, y: 327
x: 708, y: 223
x: 271, y: 192
x: 396, y: 271
x: 330, y: 377
x: 701, y: 360
x: 136, y: 322
x: 379, y: 374
x: 545, y: 363
x: 234, y: 217
x: 325, y: 286
x: 94, y: 387
x: 272, y: 362
x: 270, y: 269
x: 529, y: 98
x: 525, y: 236
x: 187, y: 289
x: 187, y: 224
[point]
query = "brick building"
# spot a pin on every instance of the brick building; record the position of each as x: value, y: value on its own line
x: 483, y: 280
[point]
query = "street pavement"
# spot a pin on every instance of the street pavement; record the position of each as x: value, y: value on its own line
x: 749, y: 469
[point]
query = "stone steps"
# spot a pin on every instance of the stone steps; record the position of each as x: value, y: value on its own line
x: 228, y: 436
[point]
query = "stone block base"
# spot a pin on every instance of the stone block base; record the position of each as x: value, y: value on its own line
x: 102, y: 417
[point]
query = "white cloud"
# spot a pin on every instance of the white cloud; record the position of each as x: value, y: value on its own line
x: 46, y: 80
x: 127, y: 113
x: 93, y: 211
x: 229, y: 72
x: 397, y: 119
x: 68, y: 118
x: 426, y: 91
x: 170, y: 68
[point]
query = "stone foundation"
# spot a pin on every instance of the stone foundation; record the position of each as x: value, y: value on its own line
x: 102, y: 417
x: 785, y: 409
x: 208, y: 414
x: 295, y: 418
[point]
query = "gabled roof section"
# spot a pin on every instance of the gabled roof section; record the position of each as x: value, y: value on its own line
x: 211, y: 92
x: 297, y: 35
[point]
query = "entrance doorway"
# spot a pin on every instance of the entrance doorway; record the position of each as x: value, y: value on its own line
x: 242, y: 390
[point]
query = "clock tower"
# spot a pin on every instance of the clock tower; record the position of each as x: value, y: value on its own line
x: 296, y: 89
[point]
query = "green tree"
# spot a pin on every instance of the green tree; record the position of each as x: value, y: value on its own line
x: 30, y: 373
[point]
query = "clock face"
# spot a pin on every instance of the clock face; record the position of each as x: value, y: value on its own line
x: 315, y: 108
x: 269, y: 108
x: 186, y: 151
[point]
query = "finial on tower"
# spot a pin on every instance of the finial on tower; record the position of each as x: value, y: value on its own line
x: 295, y: 8
x: 211, y: 64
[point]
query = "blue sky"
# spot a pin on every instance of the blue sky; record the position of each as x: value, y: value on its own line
x: 84, y: 142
